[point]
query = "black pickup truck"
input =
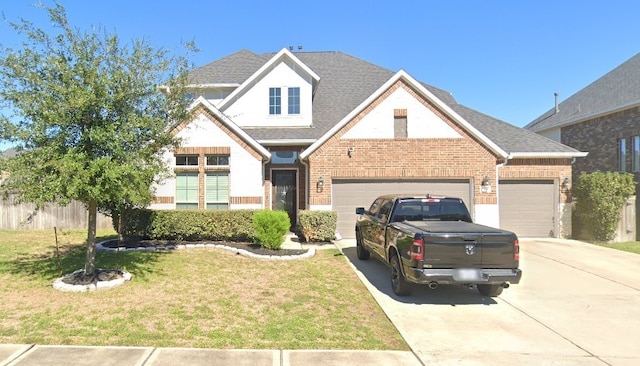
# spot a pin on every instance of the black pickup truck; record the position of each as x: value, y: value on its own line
x: 431, y: 241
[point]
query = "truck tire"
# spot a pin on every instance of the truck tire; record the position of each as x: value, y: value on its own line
x: 490, y: 290
x: 399, y: 285
x: 362, y: 253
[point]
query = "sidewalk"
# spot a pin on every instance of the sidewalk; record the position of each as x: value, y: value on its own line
x: 35, y: 355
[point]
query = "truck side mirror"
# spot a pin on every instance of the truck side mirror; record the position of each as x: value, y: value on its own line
x: 359, y: 210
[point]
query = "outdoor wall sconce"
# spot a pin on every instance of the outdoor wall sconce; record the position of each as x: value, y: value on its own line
x: 486, y: 181
x: 565, y: 183
x: 350, y: 151
x: 485, y: 186
x: 320, y: 184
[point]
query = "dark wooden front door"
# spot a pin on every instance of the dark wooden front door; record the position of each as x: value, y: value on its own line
x: 284, y: 194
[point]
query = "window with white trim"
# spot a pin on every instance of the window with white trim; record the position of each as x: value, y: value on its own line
x: 635, y: 153
x: 275, y: 101
x: 187, y: 160
x: 217, y: 160
x: 187, y: 190
x: 217, y: 190
x: 294, y: 100
x: 622, y: 154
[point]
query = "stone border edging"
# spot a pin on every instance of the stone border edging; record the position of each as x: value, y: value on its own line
x: 59, y: 284
x: 310, y: 252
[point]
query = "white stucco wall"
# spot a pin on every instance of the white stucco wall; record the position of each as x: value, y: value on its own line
x: 488, y: 215
x: 421, y: 121
x: 251, y: 108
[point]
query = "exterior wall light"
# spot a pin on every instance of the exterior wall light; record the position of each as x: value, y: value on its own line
x: 485, y: 186
x: 320, y: 182
x: 565, y: 183
x: 350, y: 151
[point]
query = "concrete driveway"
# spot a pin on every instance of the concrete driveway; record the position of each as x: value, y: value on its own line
x: 577, y: 304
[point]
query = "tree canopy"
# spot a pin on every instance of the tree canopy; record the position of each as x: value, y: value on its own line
x: 90, y: 115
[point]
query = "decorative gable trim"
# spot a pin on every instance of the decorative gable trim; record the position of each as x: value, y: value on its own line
x: 422, y: 91
x: 284, y: 53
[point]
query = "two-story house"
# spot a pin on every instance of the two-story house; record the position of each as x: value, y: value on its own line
x: 603, y: 118
x: 328, y: 131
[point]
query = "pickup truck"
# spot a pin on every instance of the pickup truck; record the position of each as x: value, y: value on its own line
x: 430, y: 240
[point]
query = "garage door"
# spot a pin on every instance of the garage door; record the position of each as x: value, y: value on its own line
x: 527, y: 207
x: 349, y: 194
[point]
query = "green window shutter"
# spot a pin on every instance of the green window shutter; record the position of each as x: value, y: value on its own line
x: 217, y: 187
x: 186, y: 187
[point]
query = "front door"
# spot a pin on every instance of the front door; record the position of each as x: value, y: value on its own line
x: 284, y: 194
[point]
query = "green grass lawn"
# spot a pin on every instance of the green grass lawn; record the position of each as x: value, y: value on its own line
x: 630, y: 246
x: 208, y: 298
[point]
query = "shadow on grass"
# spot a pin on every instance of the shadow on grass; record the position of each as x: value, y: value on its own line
x: 46, y: 265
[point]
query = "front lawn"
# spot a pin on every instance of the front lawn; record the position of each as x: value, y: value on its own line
x: 630, y: 246
x: 207, y: 298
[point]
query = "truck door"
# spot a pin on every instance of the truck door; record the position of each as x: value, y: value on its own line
x: 378, y: 229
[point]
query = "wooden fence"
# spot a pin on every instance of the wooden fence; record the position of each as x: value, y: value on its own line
x: 627, y: 225
x: 26, y: 217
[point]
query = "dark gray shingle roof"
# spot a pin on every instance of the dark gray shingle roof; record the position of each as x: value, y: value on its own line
x: 617, y: 89
x: 345, y: 82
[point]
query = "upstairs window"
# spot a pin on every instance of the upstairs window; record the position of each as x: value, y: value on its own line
x: 622, y: 155
x: 187, y: 160
x: 275, y: 101
x: 400, y: 123
x: 294, y: 100
x: 635, y: 153
x: 217, y: 160
x: 187, y: 191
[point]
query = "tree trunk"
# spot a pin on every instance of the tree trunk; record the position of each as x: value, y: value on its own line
x: 90, y: 263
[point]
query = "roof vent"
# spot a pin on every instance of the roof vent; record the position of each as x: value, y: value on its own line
x: 556, y: 101
x: 299, y: 48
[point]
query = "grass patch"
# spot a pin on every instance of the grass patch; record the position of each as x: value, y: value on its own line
x: 189, y: 298
x: 629, y: 246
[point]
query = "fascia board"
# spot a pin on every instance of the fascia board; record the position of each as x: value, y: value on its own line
x: 287, y: 142
x: 426, y: 93
x: 229, y: 123
x: 522, y: 155
x: 575, y: 121
x: 284, y: 52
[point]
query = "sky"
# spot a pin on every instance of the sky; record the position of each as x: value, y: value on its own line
x: 504, y: 58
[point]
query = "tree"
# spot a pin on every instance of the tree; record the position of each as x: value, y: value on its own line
x: 90, y: 115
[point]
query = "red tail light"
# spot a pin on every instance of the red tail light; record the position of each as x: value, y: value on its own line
x: 417, y: 249
x: 516, y: 250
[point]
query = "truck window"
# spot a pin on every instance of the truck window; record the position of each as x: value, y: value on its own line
x: 385, y: 209
x: 375, y: 206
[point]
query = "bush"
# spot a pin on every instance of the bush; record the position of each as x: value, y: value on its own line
x: 270, y: 228
x: 600, y: 197
x: 318, y: 225
x: 231, y: 225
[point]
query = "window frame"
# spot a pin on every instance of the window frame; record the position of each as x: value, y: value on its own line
x: 220, y: 160
x: 293, y: 99
x: 188, y: 160
x: 218, y: 202
x: 635, y: 154
x: 188, y: 203
x: 275, y: 101
x: 622, y: 154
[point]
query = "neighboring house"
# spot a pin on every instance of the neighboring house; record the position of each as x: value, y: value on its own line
x: 603, y: 119
x: 328, y: 131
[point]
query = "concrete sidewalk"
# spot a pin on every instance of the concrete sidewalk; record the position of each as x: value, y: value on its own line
x: 36, y: 355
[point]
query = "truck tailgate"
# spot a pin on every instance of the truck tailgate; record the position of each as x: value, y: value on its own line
x: 455, y: 244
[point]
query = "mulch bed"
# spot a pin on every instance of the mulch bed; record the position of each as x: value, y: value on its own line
x: 79, y: 278
x: 250, y: 247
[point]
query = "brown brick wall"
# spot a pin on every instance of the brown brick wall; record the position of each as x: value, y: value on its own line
x: 540, y: 169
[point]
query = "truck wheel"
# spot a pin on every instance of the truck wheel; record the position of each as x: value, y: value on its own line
x: 398, y: 284
x: 362, y: 253
x: 490, y: 290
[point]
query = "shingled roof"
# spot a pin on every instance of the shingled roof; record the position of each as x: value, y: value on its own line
x: 347, y: 81
x: 616, y: 90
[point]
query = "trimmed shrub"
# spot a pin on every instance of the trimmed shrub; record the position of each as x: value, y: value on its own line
x: 318, y: 225
x: 270, y: 228
x: 599, y: 199
x: 227, y: 225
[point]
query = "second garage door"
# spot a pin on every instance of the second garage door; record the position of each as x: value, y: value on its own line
x: 349, y: 194
x: 527, y: 207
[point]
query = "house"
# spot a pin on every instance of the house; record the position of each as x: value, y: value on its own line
x: 328, y: 131
x: 604, y: 119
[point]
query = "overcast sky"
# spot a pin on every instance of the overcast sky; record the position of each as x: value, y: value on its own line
x: 504, y: 58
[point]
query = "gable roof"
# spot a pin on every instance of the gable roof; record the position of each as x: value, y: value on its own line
x: 347, y: 82
x: 618, y: 89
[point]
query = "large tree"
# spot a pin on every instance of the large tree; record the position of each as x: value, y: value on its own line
x: 90, y: 115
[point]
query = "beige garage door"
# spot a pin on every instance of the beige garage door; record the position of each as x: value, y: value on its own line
x: 349, y: 194
x: 527, y: 207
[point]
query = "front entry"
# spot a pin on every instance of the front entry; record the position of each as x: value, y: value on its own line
x: 284, y: 194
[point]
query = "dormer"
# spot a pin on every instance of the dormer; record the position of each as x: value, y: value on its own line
x: 279, y: 94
